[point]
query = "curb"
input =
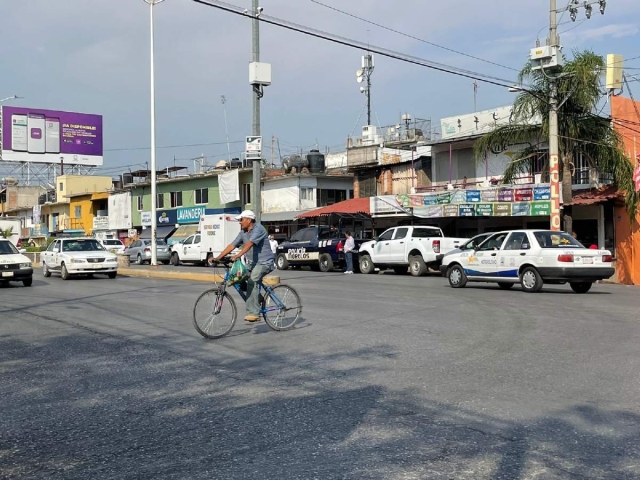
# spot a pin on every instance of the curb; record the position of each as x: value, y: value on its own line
x: 159, y: 273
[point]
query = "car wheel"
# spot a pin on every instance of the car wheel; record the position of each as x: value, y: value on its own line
x: 139, y: 260
x: 45, y: 270
x: 281, y: 262
x: 366, y: 265
x: 417, y: 267
x: 27, y: 282
x: 64, y: 273
x: 505, y: 285
x: 530, y: 280
x: 581, y: 287
x: 175, y: 260
x: 112, y: 275
x: 325, y: 263
x: 456, y: 276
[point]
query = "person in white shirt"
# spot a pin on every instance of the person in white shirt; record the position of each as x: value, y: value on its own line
x: 349, y: 248
x: 274, y: 243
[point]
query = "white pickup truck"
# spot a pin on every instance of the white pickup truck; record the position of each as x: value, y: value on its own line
x: 214, y: 234
x: 418, y: 248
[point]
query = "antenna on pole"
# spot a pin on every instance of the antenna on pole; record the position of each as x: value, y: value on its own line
x: 223, y: 100
x: 364, y: 74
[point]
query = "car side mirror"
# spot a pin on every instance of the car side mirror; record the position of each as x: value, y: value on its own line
x: 376, y: 239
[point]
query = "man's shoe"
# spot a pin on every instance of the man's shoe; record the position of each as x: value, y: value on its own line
x: 251, y: 318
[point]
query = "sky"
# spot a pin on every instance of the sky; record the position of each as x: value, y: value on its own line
x: 93, y: 57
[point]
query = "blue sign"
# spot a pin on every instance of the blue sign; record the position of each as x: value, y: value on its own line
x: 217, y: 211
x: 473, y: 196
x: 542, y: 193
x: 522, y: 209
x: 190, y: 214
x: 467, y: 210
x: 167, y: 217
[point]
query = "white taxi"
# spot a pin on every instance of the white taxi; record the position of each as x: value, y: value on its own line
x: 530, y: 258
x: 14, y: 267
x: 78, y: 256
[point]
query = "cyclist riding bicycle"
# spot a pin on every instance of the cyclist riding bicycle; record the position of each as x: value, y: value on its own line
x: 252, y: 236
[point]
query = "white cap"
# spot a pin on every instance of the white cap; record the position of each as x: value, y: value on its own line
x: 246, y: 214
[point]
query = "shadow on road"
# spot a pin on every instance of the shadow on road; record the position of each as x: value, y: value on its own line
x: 85, y: 406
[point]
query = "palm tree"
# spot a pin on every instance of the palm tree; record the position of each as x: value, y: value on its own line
x: 6, y: 233
x: 580, y: 130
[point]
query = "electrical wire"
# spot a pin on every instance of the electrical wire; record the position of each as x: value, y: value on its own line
x: 411, y: 36
x: 131, y: 149
x: 358, y: 45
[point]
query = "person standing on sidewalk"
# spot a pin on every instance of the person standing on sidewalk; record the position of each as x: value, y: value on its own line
x: 254, y: 237
x: 349, y: 248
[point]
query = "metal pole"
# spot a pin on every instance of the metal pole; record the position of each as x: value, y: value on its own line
x: 226, y: 126
x: 368, y: 89
x: 257, y: 198
x: 554, y: 167
x: 154, y: 217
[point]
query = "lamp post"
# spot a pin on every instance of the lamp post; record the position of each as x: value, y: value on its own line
x: 154, y: 218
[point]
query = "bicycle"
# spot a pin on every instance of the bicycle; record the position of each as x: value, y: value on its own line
x: 275, y: 303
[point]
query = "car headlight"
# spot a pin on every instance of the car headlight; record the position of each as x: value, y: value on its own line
x: 77, y: 260
x: 25, y: 265
x: 112, y: 259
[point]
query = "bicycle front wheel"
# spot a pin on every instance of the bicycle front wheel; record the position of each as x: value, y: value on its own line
x: 281, y: 308
x: 214, y: 313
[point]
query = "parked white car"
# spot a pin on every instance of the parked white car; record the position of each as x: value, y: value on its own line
x: 112, y: 245
x: 78, y: 256
x: 531, y: 258
x: 416, y: 247
x: 14, y: 267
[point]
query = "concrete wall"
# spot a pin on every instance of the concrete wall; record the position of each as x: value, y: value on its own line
x: 73, y: 184
x: 22, y: 196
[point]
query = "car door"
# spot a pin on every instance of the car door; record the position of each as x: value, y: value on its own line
x: 398, y: 245
x: 49, y: 254
x: 383, y: 246
x: 483, y: 262
x: 514, y: 253
x: 186, y: 248
x: 57, y: 254
x: 133, y: 249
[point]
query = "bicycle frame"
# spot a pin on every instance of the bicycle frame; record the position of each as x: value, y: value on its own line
x: 261, y: 286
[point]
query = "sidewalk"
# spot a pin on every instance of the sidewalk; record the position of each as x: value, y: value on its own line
x: 169, y: 272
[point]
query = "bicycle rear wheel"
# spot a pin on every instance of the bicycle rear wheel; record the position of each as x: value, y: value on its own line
x: 214, y: 313
x: 281, y: 308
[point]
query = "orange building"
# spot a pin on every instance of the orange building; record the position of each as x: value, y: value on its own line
x: 625, y: 114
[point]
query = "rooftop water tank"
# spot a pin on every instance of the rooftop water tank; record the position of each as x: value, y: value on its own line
x: 316, y: 161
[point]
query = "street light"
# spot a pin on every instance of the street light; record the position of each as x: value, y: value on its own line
x: 13, y: 97
x: 154, y: 218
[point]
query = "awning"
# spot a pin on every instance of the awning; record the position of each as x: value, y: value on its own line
x: 352, y: 208
x: 281, y: 216
x: 161, y: 232
x: 181, y: 233
x: 596, y: 196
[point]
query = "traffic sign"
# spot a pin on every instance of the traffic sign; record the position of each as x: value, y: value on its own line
x: 253, y: 148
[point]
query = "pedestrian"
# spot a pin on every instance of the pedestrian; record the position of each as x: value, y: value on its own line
x: 349, y: 248
x: 274, y: 244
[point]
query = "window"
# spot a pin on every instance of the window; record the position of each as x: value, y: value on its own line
x: 329, y: 197
x: 309, y: 235
x: 517, y: 241
x: 188, y: 241
x: 176, y: 199
x: 140, y: 203
x: 61, y: 186
x: 386, y: 235
x: 246, y: 193
x: 202, y: 196
x: 368, y: 185
x: 54, y: 246
x: 196, y: 240
x: 556, y: 240
x: 159, y: 201
x: 426, y: 233
x: 494, y: 242
x: 306, y: 193
x: 298, y: 236
x: 401, y: 233
x: 328, y: 234
x: 77, y: 212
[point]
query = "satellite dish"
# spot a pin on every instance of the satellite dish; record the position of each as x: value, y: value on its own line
x: 360, y: 79
x: 359, y: 73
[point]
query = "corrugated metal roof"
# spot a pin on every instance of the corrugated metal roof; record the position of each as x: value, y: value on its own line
x: 348, y: 207
x: 595, y: 196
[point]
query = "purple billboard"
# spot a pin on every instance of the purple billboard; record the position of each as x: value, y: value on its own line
x: 50, y: 136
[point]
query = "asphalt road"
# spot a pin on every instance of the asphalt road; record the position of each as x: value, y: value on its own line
x: 386, y: 377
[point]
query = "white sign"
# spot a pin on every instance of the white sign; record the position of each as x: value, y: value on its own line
x: 145, y: 219
x: 253, y: 148
x: 132, y: 232
x: 101, y: 223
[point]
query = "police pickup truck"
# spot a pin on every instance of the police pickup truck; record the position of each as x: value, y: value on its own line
x: 321, y: 248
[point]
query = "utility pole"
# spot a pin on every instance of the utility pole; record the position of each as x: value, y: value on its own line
x: 223, y: 100
x: 257, y: 95
x: 365, y: 74
x: 475, y: 96
x: 554, y: 167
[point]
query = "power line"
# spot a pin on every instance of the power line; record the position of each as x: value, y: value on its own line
x: 411, y: 36
x: 130, y: 149
x: 360, y: 45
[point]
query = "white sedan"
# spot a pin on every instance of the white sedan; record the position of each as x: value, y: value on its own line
x: 78, y: 256
x: 531, y: 258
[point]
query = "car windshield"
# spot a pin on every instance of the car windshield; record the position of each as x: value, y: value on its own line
x: 7, y: 248
x: 556, y: 240
x: 88, y: 245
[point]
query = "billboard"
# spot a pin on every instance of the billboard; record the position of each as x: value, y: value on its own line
x: 51, y: 136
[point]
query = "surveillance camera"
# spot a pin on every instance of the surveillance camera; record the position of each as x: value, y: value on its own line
x: 245, y: 11
x: 260, y: 9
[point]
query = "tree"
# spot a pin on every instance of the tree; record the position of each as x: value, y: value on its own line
x: 580, y: 130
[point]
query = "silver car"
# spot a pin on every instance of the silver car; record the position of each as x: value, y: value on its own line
x: 140, y: 251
